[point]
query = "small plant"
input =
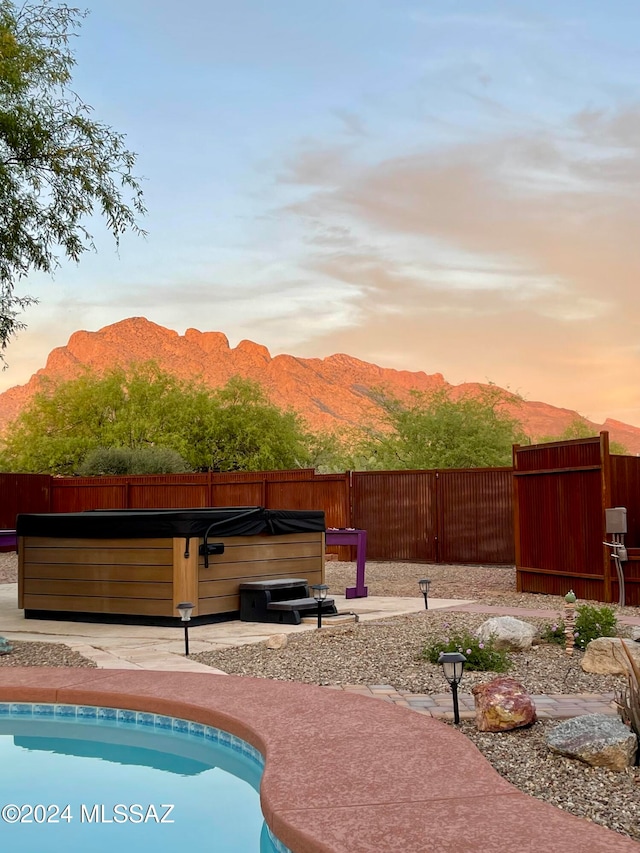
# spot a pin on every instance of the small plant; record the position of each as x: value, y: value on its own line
x: 553, y: 632
x: 593, y: 622
x: 483, y: 657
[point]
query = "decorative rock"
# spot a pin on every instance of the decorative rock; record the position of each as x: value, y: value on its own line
x: 5, y: 646
x: 503, y: 704
x: 635, y: 634
x: 276, y: 641
x: 605, y: 656
x: 596, y: 739
x: 508, y: 633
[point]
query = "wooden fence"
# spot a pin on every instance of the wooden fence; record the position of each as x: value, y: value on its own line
x: 425, y: 516
x: 561, y: 492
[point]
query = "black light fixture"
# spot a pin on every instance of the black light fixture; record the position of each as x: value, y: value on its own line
x: 453, y: 666
x: 320, y: 593
x: 424, y: 589
x: 185, y: 609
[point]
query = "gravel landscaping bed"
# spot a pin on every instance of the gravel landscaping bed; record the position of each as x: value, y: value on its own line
x: 388, y: 652
x: 43, y: 654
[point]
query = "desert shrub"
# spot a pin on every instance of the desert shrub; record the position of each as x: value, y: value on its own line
x: 115, y: 461
x: 593, y: 622
x: 553, y: 632
x: 483, y: 657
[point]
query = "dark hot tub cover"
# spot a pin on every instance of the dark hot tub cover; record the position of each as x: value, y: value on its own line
x: 161, y: 523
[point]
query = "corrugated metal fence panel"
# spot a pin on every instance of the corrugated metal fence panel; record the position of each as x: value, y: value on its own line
x: 398, y: 511
x: 560, y: 519
x: 23, y: 493
x: 560, y: 454
x: 76, y: 497
x: 247, y: 493
x: 170, y: 495
x: 625, y: 491
x: 328, y: 492
x: 244, y: 476
x: 475, y: 509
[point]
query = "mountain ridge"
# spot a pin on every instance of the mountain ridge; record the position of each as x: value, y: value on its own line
x: 336, y: 390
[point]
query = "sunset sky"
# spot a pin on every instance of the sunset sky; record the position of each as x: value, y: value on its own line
x: 450, y: 187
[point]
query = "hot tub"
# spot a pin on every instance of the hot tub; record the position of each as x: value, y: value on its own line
x: 137, y: 565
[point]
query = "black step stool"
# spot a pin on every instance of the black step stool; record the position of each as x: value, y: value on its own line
x: 281, y: 601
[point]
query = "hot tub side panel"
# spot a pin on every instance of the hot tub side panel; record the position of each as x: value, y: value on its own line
x: 150, y: 577
x: 126, y: 576
x: 253, y: 558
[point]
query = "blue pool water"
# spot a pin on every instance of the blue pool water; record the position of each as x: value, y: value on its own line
x: 100, y: 779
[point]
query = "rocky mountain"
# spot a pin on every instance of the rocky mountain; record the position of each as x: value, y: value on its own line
x: 337, y: 390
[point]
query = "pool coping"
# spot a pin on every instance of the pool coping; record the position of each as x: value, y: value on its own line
x: 342, y: 774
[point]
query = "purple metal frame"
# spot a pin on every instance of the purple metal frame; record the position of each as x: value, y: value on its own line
x: 352, y: 536
x: 8, y: 539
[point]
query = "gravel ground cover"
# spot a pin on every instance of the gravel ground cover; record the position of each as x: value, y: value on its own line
x: 388, y: 652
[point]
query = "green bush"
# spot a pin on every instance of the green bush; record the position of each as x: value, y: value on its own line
x: 593, y: 622
x: 483, y: 657
x: 553, y: 632
x: 118, y: 461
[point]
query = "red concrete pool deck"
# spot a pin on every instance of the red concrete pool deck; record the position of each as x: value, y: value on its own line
x: 382, y: 780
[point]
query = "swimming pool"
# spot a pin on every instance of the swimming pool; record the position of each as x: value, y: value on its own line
x: 76, y: 777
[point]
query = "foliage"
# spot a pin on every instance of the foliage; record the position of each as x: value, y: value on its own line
x: 581, y: 428
x: 593, y: 622
x: 553, y: 633
x: 232, y: 428
x: 483, y: 657
x: 439, y: 430
x: 57, y: 165
x: 628, y: 698
x: 247, y: 432
x: 116, y: 461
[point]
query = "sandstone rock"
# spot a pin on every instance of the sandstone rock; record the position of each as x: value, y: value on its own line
x: 276, y: 641
x: 605, y: 656
x: 503, y: 704
x: 508, y: 633
x: 596, y: 739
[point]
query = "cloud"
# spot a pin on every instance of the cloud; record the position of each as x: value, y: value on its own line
x: 546, y: 225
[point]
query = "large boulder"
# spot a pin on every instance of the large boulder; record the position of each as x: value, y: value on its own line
x: 596, y: 739
x: 605, y: 656
x: 508, y: 633
x: 503, y: 704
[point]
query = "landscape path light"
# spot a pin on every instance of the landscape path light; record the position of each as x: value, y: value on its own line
x: 185, y: 609
x: 424, y: 589
x: 320, y: 591
x: 453, y: 666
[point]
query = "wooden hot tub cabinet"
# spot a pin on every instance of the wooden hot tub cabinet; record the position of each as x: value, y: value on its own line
x: 139, y: 565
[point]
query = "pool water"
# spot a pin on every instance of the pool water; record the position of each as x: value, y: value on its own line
x: 80, y: 778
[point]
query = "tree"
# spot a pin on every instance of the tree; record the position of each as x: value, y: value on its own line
x: 229, y: 429
x: 57, y: 165
x: 436, y: 430
x: 250, y: 433
x: 581, y: 428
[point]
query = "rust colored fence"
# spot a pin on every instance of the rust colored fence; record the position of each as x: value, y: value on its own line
x: 22, y: 493
x: 424, y: 516
x: 448, y: 516
x: 561, y: 492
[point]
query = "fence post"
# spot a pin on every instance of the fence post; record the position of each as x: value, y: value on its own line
x: 516, y: 515
x: 605, y: 492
